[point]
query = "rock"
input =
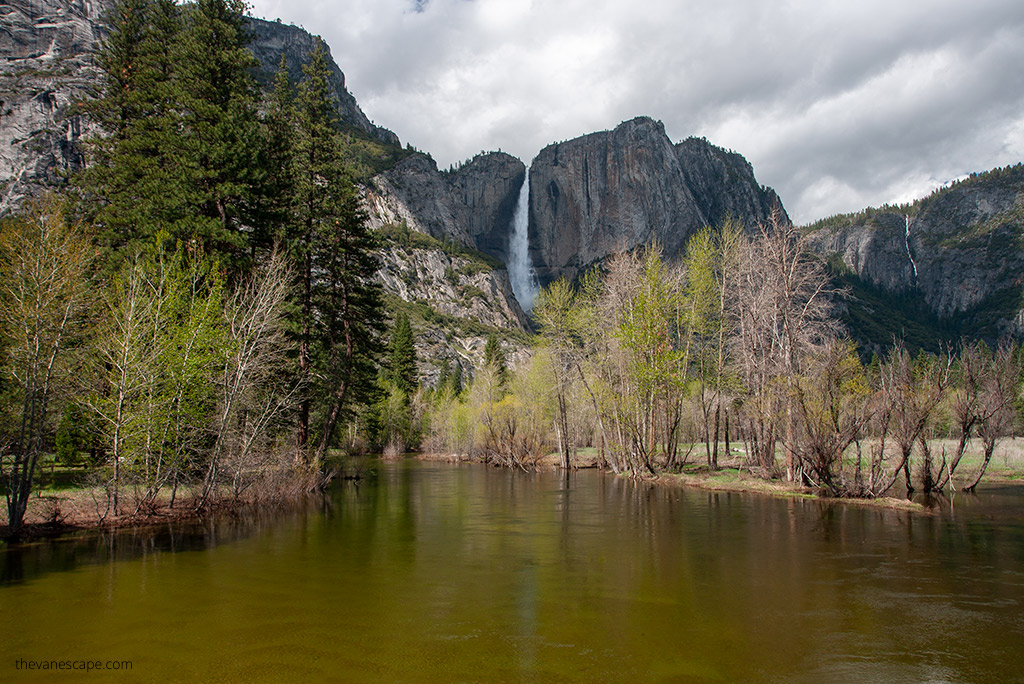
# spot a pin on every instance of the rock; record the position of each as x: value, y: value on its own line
x: 722, y: 184
x: 48, y: 48
x: 615, y: 190
x: 271, y: 39
x: 416, y: 194
x: 488, y: 187
x: 472, y: 205
x: 962, y: 257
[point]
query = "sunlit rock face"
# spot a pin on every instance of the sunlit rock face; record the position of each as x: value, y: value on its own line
x: 614, y: 190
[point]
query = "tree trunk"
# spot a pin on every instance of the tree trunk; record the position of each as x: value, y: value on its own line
x: 990, y: 447
x: 727, y: 444
x: 714, y: 448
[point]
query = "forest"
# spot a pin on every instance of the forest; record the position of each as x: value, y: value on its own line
x: 733, y: 351
x: 197, y: 307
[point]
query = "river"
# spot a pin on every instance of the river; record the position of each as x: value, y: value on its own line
x: 441, y: 572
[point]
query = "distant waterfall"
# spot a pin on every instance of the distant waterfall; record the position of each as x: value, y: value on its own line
x: 520, y: 270
x: 906, y: 241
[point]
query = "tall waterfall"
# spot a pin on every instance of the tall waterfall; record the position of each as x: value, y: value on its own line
x: 520, y: 270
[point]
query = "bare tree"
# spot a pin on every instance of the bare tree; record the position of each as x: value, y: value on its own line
x: 911, y: 391
x: 999, y: 384
x: 254, y: 393
x: 44, y: 262
x: 782, y: 310
x: 832, y: 404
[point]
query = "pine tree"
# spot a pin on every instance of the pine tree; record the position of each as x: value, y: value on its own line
x: 494, y: 358
x: 220, y: 138
x: 402, y: 356
x: 130, y: 182
x: 457, y: 384
x: 339, y: 305
x: 275, y: 182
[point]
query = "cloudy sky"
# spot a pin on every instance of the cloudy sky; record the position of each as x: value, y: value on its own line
x: 838, y: 105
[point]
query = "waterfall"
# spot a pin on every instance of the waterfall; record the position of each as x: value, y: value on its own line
x: 520, y: 270
x: 906, y: 241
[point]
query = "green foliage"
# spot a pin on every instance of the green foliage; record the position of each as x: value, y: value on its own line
x: 494, y: 359
x: 401, y: 361
x: 159, y: 356
x: 401, y: 234
x: 874, y: 317
x: 338, y: 305
x: 44, y: 296
x: 182, y: 153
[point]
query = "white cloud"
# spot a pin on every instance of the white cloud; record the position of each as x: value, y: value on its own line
x: 836, y: 104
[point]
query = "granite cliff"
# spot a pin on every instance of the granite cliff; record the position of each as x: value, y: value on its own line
x: 615, y: 190
x: 955, y: 257
x: 47, y: 48
x: 472, y: 205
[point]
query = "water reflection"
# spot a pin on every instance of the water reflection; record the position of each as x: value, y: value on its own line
x: 439, y: 571
x: 25, y: 562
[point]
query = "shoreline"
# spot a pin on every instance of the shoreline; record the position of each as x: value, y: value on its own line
x: 731, y: 477
x: 64, y: 512
x: 67, y: 512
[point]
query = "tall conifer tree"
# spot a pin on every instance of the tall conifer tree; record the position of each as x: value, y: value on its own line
x: 339, y: 304
x: 402, y: 356
x: 221, y: 135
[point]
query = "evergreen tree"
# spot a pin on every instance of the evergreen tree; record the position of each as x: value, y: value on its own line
x: 130, y: 182
x: 339, y: 305
x: 273, y: 202
x: 494, y: 358
x: 179, y: 109
x: 457, y: 384
x: 220, y: 137
x: 444, y: 375
x: 402, y: 356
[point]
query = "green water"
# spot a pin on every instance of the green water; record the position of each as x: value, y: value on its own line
x: 437, y: 572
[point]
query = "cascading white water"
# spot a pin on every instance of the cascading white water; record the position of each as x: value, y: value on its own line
x: 520, y: 270
x: 906, y: 242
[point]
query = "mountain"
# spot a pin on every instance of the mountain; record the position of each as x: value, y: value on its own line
x: 947, y: 266
x: 456, y: 294
x: 615, y: 190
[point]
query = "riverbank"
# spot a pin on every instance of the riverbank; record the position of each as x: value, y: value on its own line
x: 730, y: 479
x: 70, y: 505
x: 733, y: 475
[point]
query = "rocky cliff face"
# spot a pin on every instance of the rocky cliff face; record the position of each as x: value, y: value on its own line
x: 959, y: 251
x: 441, y: 228
x: 472, y: 206
x: 488, y: 187
x: 271, y: 39
x: 615, y: 190
x: 48, y: 49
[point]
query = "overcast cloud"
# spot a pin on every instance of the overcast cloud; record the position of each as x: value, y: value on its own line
x: 838, y: 105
